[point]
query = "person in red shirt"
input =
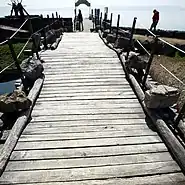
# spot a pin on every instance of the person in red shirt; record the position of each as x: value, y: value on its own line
x: 155, y: 20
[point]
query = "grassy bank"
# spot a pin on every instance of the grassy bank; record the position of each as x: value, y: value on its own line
x: 170, y: 40
x: 6, y: 57
x: 175, y: 65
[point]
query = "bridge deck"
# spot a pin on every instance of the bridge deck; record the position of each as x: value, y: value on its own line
x: 87, y: 126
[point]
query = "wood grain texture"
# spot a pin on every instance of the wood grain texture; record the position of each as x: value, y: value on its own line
x: 87, y: 126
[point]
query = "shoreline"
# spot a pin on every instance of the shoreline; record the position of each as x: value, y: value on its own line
x: 177, y: 34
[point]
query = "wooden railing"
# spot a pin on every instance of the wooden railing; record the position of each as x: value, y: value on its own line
x: 32, y: 34
x: 151, y: 54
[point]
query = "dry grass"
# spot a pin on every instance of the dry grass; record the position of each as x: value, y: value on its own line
x: 175, y: 65
x: 170, y: 40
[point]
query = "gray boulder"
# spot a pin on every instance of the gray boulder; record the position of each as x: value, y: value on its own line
x: 111, y: 38
x: 161, y: 96
x: 105, y: 33
x: 58, y: 32
x: 32, y: 69
x: 14, y: 102
x: 37, y: 39
x: 122, y: 42
x: 136, y: 62
x: 50, y: 37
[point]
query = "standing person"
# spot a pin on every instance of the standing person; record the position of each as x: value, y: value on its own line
x: 80, y: 19
x: 155, y: 20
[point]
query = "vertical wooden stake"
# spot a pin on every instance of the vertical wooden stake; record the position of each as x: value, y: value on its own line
x: 131, y: 36
x: 111, y: 22
x: 150, y: 61
x: 33, y: 38
x: 117, y: 26
x: 100, y: 21
x: 14, y: 56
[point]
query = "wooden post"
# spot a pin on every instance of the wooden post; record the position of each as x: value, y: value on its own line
x: 57, y: 15
x: 111, y: 22
x: 150, y: 61
x: 14, y: 56
x: 45, y: 42
x: 95, y: 12
x: 117, y: 26
x: 94, y: 19
x: 100, y: 21
x: 33, y: 38
x: 179, y: 117
x: 131, y: 36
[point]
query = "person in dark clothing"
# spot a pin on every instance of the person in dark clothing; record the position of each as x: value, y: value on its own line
x: 80, y: 20
x: 155, y: 19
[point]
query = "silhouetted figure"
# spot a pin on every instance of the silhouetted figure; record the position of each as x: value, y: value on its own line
x: 80, y: 20
x: 20, y: 9
x: 155, y: 19
x: 14, y: 9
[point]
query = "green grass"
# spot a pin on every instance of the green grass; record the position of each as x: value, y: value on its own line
x: 6, y: 57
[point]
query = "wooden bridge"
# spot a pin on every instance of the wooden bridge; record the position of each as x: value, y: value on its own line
x: 87, y: 126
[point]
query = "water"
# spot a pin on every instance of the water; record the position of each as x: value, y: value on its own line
x: 171, y: 18
x: 7, y: 87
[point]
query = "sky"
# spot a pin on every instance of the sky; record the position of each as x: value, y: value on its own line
x: 70, y: 3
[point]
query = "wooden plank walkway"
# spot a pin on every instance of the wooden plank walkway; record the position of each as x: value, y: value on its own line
x: 88, y: 127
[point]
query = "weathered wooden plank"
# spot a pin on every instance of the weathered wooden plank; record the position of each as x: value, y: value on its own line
x: 87, y: 123
x: 82, y: 66
x: 78, y: 70
x: 60, y: 111
x: 86, y: 107
x: 89, y: 135
x: 97, y: 103
x: 86, y: 61
x: 162, y: 179
x: 112, y: 80
x: 106, y: 83
x: 73, y: 94
x: 88, y: 117
x: 86, y: 72
x: 90, y: 173
x: 86, y: 143
x: 87, y: 162
x: 85, y: 98
x: 88, y: 86
x: 85, y: 77
x: 88, y: 152
x: 84, y: 129
x: 87, y: 91
x: 86, y: 55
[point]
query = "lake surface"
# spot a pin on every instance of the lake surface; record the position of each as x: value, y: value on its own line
x: 7, y: 87
x: 170, y: 17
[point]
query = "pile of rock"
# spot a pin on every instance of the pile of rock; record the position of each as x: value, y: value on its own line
x: 161, y: 96
x: 32, y: 69
x: 136, y: 65
x: 52, y: 36
x: 160, y: 49
x: 14, y: 102
x: 120, y: 42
